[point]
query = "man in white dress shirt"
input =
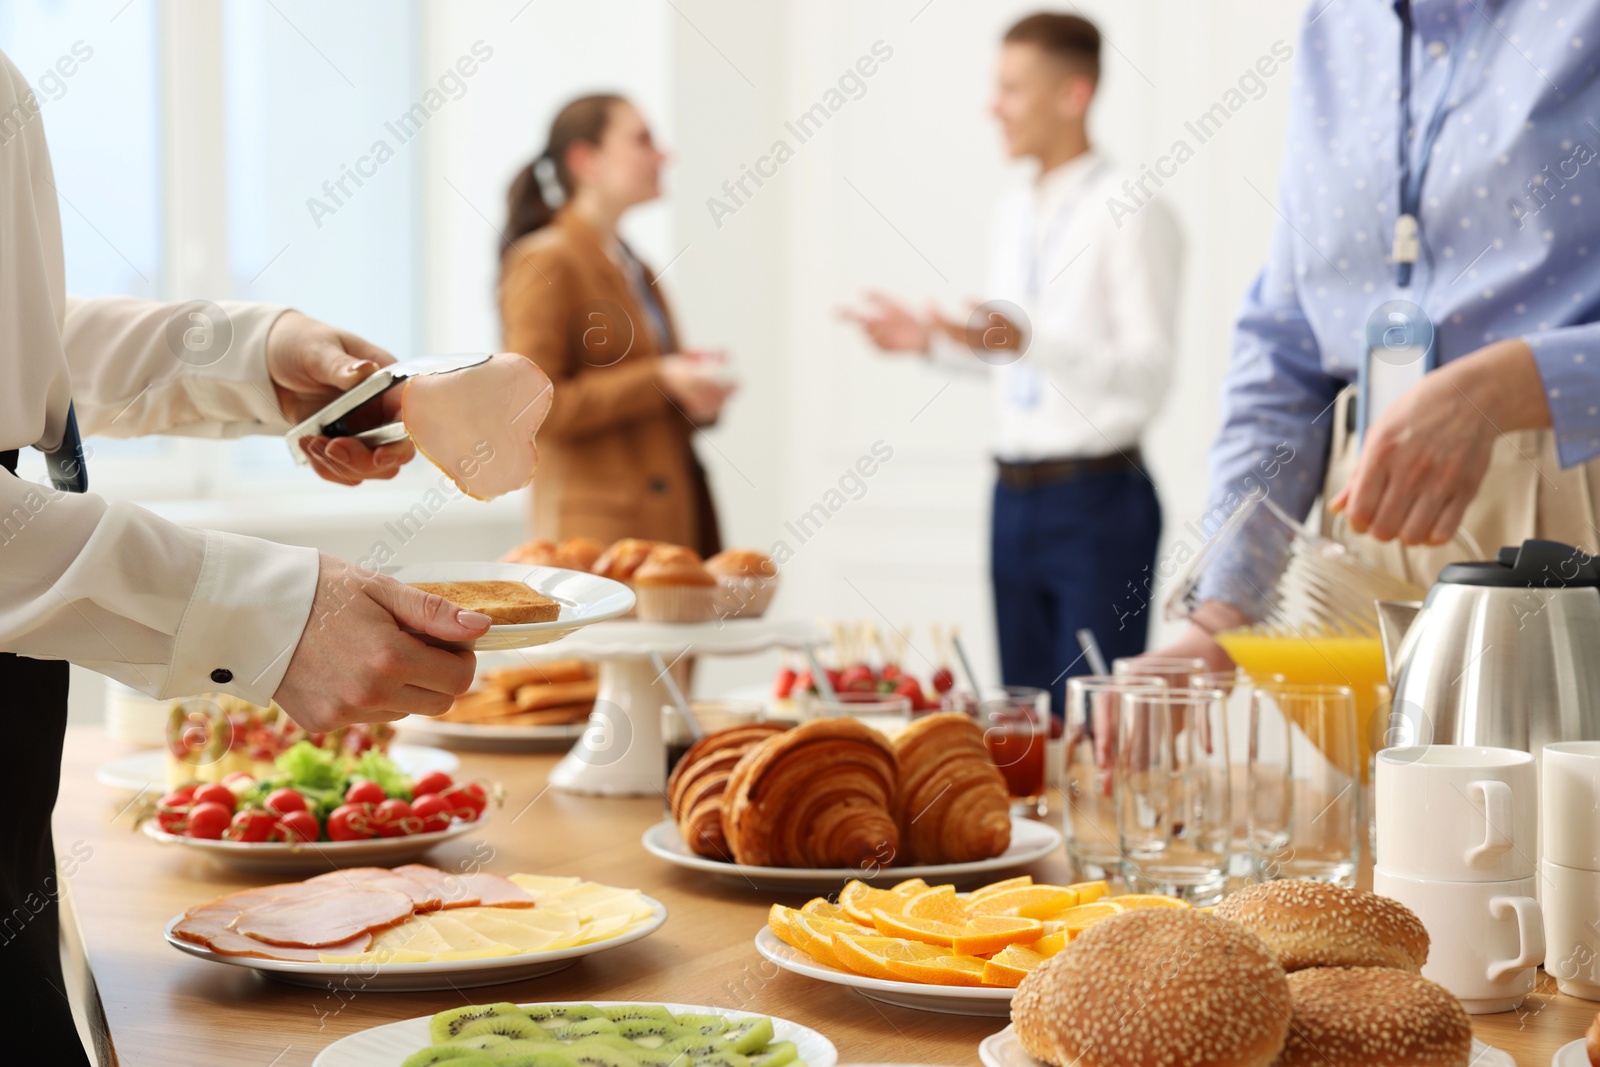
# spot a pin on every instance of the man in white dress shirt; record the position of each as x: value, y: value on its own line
x: 169, y: 610
x: 1078, y: 335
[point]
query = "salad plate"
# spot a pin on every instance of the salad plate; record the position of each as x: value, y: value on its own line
x: 311, y: 856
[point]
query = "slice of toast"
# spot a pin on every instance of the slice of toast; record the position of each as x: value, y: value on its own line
x: 507, y: 603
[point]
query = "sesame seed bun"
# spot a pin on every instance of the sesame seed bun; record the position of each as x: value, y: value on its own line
x: 1156, y: 985
x: 1358, y: 1016
x: 1313, y: 924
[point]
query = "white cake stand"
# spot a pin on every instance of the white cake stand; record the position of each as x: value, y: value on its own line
x: 621, y: 752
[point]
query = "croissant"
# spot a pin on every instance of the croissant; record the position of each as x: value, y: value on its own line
x: 952, y: 805
x: 694, y: 791
x: 819, y: 795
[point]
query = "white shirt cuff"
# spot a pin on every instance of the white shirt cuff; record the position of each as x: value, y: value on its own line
x: 244, y: 619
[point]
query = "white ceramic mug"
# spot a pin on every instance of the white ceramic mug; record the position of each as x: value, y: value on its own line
x: 1460, y: 813
x: 1571, y: 815
x: 1571, y: 901
x: 1486, y: 939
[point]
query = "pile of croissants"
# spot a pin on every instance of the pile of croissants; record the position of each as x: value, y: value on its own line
x: 837, y: 793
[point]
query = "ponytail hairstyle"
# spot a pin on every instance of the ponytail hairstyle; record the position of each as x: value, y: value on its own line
x: 541, y: 187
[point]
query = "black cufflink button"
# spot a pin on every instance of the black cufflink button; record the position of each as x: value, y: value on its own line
x: 222, y: 676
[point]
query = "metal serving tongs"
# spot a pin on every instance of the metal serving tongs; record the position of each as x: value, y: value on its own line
x: 330, y: 421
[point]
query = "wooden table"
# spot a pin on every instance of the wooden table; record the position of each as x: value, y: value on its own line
x: 168, y: 1009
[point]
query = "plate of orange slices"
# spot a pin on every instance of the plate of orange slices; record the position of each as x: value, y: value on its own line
x: 930, y: 947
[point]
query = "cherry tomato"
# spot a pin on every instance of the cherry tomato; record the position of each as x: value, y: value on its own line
x: 251, y: 826
x: 185, y: 793
x: 212, y: 793
x: 172, y: 812
x: 283, y: 801
x: 434, y: 812
x: 432, y: 782
x: 365, y: 792
x: 943, y: 680
x: 466, y: 800
x: 350, y: 823
x: 394, y: 818
x: 297, y: 826
x: 238, y: 782
x: 208, y: 819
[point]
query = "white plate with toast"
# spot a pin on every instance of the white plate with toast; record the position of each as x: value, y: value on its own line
x: 385, y: 1046
x: 944, y: 999
x: 1031, y: 841
x: 415, y: 977
x: 582, y: 599
x: 1004, y: 1050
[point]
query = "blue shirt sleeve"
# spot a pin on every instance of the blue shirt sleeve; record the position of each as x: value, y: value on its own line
x: 1568, y: 359
x: 1277, y: 420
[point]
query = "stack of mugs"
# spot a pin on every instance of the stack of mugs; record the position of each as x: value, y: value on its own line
x: 1569, y: 872
x: 1457, y: 844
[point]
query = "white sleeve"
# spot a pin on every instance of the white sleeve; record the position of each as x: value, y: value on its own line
x: 1133, y: 358
x: 112, y: 586
x: 945, y: 351
x: 139, y: 366
x: 152, y: 604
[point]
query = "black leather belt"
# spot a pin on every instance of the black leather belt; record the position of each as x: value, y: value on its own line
x: 1036, y: 473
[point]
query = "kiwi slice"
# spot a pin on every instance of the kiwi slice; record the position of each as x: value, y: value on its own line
x: 554, y: 1015
x: 581, y: 1028
x: 749, y: 1035
x: 631, y: 1012
x: 704, y: 1025
x: 661, y: 1057
x: 652, y: 1033
x: 592, y: 1054
x: 457, y: 1054
x: 722, y: 1058
x: 777, y: 1054
x: 447, y: 1025
x: 710, y: 1051
x: 510, y: 1026
x: 541, y: 1056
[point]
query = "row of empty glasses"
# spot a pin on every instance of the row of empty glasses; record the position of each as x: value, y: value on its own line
x: 1177, y: 777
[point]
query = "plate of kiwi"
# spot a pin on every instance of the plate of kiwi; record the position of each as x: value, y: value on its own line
x: 592, y: 1034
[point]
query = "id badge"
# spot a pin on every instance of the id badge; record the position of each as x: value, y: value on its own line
x: 1400, y: 349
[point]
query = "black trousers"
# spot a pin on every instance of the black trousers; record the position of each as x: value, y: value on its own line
x: 33, y: 693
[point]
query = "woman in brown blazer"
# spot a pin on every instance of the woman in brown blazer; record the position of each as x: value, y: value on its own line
x: 616, y: 459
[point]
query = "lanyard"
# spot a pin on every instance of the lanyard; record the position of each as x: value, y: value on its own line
x: 1407, y: 246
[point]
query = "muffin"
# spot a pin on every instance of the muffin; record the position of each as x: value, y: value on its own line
x: 537, y: 553
x: 623, y: 558
x: 746, y: 582
x: 578, y: 553
x: 674, y: 586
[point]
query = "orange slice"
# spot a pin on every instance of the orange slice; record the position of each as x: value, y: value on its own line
x: 931, y: 931
x: 1010, y: 965
x: 1050, y: 944
x: 823, y: 908
x: 870, y: 956
x: 909, y: 886
x: 815, y: 935
x: 1018, y: 882
x: 943, y: 970
x: 1089, y: 892
x: 939, y: 903
x: 1149, y: 900
x: 859, y: 900
x: 1031, y: 902
x: 781, y: 923
x: 1075, y: 920
x: 985, y: 935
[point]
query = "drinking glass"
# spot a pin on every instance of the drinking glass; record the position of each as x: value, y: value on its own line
x: 1237, y: 684
x: 1094, y: 703
x: 1016, y: 730
x: 1305, y: 783
x: 887, y: 713
x: 1177, y: 672
x: 711, y: 716
x: 1174, y: 794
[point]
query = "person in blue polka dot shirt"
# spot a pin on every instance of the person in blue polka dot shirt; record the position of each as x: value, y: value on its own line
x: 1498, y: 164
